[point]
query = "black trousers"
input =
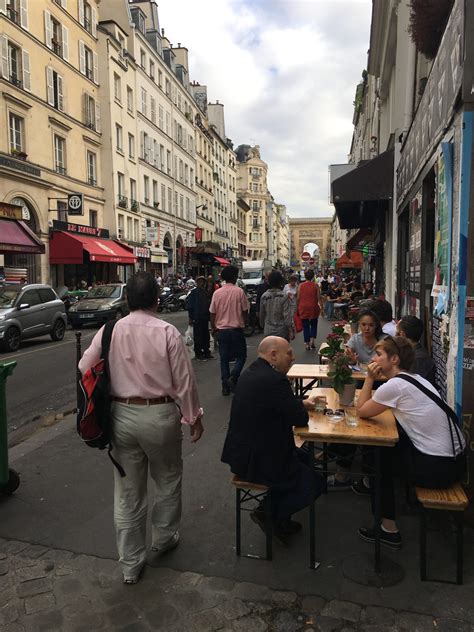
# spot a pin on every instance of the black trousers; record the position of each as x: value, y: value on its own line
x: 404, y: 461
x: 201, y: 337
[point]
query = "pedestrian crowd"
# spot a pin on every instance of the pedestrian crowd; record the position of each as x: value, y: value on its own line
x: 154, y: 393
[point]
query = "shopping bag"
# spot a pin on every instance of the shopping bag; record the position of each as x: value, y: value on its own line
x: 298, y: 322
x: 188, y: 336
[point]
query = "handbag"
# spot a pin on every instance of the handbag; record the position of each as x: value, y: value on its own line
x: 297, y: 322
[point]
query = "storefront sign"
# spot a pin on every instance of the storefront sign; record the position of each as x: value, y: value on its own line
x: 198, y: 235
x: 152, y: 233
x: 11, y: 211
x: 67, y: 227
x: 142, y: 252
x: 75, y: 204
x: 19, y: 165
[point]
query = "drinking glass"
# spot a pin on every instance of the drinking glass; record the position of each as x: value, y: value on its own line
x: 352, y: 419
x: 320, y: 403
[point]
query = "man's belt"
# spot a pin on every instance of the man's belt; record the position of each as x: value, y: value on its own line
x: 139, y: 401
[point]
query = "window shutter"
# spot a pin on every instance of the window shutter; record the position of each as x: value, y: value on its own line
x: 97, y: 118
x: 3, y: 6
x: 80, y: 10
x: 48, y: 29
x: 151, y: 153
x: 95, y: 59
x: 60, y: 93
x: 24, y: 14
x: 26, y: 71
x: 50, y: 85
x: 4, y: 55
x: 65, y: 43
x: 82, y: 57
x: 85, y: 109
x: 64, y: 4
x: 142, y: 144
x: 94, y: 21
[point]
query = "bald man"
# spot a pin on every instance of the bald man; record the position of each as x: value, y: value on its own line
x: 260, y: 447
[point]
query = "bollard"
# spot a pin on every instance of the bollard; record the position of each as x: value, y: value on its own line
x: 9, y: 479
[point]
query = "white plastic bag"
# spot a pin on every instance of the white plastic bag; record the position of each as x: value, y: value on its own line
x: 188, y: 336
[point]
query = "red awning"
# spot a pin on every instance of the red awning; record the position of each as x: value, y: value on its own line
x: 221, y: 261
x: 15, y: 236
x: 69, y: 248
x: 352, y: 259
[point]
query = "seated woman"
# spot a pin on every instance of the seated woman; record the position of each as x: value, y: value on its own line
x: 430, y: 451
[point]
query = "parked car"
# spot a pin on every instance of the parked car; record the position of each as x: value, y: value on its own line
x: 101, y: 303
x: 27, y: 311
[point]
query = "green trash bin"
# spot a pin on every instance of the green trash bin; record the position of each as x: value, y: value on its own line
x: 9, y: 479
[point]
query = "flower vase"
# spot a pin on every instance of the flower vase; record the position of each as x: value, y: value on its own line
x: 331, y: 366
x: 346, y: 398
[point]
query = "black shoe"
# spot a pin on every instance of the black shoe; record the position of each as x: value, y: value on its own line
x: 209, y: 356
x: 201, y: 358
x: 389, y: 540
x: 360, y: 488
x: 232, y: 384
x: 225, y: 390
x: 259, y: 518
x: 289, y: 527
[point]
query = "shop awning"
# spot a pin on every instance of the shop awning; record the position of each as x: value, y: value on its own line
x: 351, y: 259
x: 69, y: 248
x: 362, y: 194
x: 15, y: 236
x: 221, y: 261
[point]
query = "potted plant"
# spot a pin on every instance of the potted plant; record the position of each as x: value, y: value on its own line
x: 342, y: 380
x: 334, y: 342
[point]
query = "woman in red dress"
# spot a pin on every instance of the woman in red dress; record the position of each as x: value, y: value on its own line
x: 309, y: 307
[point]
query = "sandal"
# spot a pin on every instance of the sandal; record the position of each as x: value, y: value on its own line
x: 308, y: 348
x: 313, y: 346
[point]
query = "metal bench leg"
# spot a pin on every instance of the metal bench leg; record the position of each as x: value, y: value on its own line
x: 237, y: 520
x: 268, y: 523
x: 459, y: 546
x: 422, y: 544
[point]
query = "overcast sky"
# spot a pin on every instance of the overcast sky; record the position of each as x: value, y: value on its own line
x: 286, y: 71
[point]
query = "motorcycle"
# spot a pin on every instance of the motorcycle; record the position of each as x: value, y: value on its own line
x: 252, y: 318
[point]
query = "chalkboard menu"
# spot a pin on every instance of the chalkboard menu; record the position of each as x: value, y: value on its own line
x: 439, y: 357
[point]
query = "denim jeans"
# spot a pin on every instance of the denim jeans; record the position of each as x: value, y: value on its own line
x: 231, y: 345
x: 310, y: 328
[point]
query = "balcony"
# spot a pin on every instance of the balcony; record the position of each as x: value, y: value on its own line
x: 122, y: 201
x: 61, y: 169
x: 13, y: 15
x: 13, y: 79
x: 134, y: 205
x: 92, y: 181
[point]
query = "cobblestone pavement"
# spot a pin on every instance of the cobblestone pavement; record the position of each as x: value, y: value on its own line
x: 44, y: 589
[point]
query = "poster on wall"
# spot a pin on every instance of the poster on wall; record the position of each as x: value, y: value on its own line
x: 444, y: 212
x: 414, y: 277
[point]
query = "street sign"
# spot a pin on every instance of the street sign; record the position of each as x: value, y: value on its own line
x: 305, y: 256
x: 75, y: 204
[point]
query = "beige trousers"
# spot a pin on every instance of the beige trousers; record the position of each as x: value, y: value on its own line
x: 146, y: 438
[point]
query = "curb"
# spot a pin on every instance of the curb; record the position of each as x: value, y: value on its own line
x: 29, y: 428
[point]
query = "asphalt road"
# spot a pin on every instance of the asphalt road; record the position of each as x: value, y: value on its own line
x: 43, y: 380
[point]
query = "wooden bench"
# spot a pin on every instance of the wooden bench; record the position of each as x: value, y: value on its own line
x: 245, y: 492
x: 452, y: 499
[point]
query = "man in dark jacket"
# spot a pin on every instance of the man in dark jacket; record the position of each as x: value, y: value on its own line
x: 411, y: 327
x: 260, y: 446
x: 198, y: 308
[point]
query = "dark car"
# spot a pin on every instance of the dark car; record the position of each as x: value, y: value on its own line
x: 102, y: 303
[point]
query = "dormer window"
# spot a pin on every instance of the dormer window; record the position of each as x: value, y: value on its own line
x: 138, y: 18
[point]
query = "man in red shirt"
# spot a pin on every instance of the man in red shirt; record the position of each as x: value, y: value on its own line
x: 229, y: 309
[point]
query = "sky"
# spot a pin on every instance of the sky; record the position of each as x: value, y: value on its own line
x: 286, y: 71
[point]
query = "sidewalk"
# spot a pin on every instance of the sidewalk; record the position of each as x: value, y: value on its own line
x: 44, y: 589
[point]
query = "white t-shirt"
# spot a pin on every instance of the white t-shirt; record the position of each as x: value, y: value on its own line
x: 425, y: 423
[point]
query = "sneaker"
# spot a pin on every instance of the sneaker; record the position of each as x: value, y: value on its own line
x: 389, y: 540
x: 225, y: 390
x: 232, y: 384
x: 336, y: 485
x: 360, y: 488
x: 169, y: 546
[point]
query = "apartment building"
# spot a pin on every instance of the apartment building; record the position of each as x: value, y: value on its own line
x: 282, y: 236
x: 51, y: 148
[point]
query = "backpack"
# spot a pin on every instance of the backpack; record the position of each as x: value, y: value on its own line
x: 94, y: 420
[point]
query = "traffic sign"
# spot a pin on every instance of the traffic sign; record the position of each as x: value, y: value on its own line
x: 305, y: 256
x: 75, y: 204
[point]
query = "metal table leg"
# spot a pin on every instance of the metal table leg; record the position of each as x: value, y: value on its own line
x: 313, y: 564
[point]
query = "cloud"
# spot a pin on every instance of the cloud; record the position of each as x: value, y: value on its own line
x: 286, y: 71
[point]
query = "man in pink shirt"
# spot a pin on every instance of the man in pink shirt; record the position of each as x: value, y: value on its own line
x: 229, y: 309
x: 153, y: 391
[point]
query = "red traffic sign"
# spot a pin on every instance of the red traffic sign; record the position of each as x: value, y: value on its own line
x: 305, y: 256
x: 311, y: 262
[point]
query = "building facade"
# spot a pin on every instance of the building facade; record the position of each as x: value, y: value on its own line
x: 307, y: 230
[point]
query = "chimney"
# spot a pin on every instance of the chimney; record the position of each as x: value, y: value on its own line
x: 181, y: 56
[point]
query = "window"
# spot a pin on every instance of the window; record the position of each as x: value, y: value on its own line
x: 142, y: 58
x: 15, y: 64
x: 160, y: 78
x: 16, y: 124
x: 146, y: 189
x: 170, y: 200
x: 136, y: 230
x: 56, y: 36
x: 54, y: 89
x: 129, y: 228
x: 160, y: 117
x: 121, y: 183
x: 91, y: 113
x: 144, y: 101
x: 152, y: 70
x: 163, y: 197
x: 118, y: 137
x: 17, y: 12
x: 168, y: 87
x: 153, y: 110
x: 155, y: 193
x: 120, y: 226
x: 59, y: 154
x: 129, y: 99
x: 91, y: 168
x: 93, y: 219
x: 117, y: 87
x: 131, y: 146
x: 133, y: 192
x: 181, y: 206
x: 88, y: 17
x: 88, y: 62
x: 186, y: 174
x: 168, y: 123
x: 162, y: 158
x: 175, y: 209
x: 168, y: 161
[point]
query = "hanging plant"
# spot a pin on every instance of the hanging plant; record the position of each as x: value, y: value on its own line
x: 428, y: 19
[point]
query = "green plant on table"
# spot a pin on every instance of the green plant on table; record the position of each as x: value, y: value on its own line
x: 342, y: 373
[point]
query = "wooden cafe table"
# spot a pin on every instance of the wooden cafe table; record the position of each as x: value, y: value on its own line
x: 314, y: 373
x: 379, y: 432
